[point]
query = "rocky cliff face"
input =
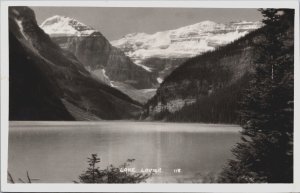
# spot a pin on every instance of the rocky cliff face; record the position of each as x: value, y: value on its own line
x: 94, y: 51
x: 207, y: 87
x: 48, y: 83
x: 164, y: 51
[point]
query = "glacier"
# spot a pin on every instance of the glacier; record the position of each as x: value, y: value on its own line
x: 184, y: 42
x: 65, y: 26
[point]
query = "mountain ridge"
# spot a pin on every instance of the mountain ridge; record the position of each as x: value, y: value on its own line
x: 194, y: 31
x: 106, y: 62
x: 65, y: 26
x: 68, y: 89
x: 162, y: 52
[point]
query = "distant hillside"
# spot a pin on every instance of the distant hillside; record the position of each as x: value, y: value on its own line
x: 48, y: 83
x: 207, y: 87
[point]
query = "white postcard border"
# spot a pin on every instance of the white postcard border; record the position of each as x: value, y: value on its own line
x: 54, y: 187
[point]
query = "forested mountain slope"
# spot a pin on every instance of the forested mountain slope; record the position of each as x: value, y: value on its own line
x: 207, y: 88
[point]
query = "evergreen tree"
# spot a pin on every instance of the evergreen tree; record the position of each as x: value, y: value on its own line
x: 266, y: 151
x: 111, y: 174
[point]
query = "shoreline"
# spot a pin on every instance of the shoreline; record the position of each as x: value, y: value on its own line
x: 69, y: 123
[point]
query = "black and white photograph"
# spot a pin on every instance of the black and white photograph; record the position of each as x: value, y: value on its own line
x: 150, y: 95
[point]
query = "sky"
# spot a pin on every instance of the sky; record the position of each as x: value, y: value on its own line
x: 114, y: 23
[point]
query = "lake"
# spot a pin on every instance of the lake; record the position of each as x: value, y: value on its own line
x: 56, y: 152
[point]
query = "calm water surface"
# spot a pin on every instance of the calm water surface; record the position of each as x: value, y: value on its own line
x: 56, y: 152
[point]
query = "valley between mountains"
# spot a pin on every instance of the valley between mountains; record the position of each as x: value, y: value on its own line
x: 63, y: 69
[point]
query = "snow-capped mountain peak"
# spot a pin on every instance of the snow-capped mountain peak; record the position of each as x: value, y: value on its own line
x: 65, y: 26
x: 163, y: 51
x: 185, y: 41
x: 204, y: 24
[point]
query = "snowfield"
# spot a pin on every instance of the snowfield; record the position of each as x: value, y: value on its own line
x: 65, y: 26
x: 183, y: 42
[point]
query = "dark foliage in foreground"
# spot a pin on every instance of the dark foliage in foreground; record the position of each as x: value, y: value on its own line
x: 111, y: 174
x: 266, y: 151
